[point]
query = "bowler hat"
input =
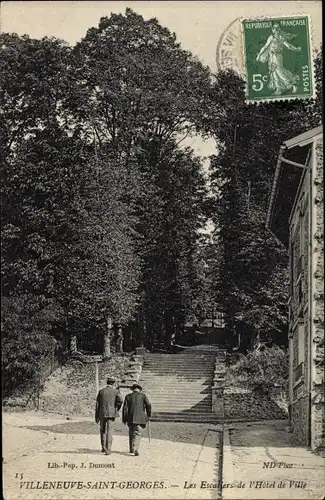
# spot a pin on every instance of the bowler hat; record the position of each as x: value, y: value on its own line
x: 136, y: 386
x: 110, y: 380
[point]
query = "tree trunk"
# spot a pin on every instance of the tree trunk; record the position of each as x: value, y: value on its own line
x: 107, y: 338
x: 168, y: 328
x: 73, y: 343
x: 178, y: 331
x: 119, y: 340
x: 143, y: 331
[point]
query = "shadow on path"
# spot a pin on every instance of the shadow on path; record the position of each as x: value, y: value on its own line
x: 190, y: 433
x: 86, y: 451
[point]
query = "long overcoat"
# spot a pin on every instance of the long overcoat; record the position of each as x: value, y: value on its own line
x: 136, y: 409
x: 108, y: 403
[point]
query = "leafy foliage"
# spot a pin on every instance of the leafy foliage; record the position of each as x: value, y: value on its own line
x: 263, y: 369
x: 26, y: 339
x: 169, y: 215
x: 253, y: 275
x: 102, y: 205
x: 92, y: 221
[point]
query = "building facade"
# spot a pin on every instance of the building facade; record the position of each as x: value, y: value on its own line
x: 301, y: 202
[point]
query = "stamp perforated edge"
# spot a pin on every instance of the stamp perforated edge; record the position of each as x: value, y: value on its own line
x: 311, y: 55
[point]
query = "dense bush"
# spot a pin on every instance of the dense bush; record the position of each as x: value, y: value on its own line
x: 26, y: 342
x: 263, y: 368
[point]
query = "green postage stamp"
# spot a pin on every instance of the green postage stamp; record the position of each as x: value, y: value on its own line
x: 277, y: 58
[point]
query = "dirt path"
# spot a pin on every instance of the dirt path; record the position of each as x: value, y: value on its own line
x: 52, y: 457
x: 268, y: 463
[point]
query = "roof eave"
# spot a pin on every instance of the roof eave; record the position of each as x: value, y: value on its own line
x: 274, y: 187
x: 300, y: 140
x: 305, y: 138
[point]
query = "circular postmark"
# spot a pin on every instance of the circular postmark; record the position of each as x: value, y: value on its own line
x: 229, y: 48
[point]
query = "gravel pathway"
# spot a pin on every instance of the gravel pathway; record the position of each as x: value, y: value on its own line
x: 61, y: 459
x: 268, y: 463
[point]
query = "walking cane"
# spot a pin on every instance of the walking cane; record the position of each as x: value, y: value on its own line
x: 149, y: 431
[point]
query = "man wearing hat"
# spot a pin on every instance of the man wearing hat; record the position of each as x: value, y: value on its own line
x: 136, y: 413
x: 108, y: 403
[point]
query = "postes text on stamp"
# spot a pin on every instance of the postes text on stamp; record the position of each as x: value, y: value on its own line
x: 277, y: 58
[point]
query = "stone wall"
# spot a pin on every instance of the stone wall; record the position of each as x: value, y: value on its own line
x: 132, y: 373
x: 244, y: 404
x: 300, y: 420
x: 318, y: 388
x: 313, y: 372
x: 217, y: 390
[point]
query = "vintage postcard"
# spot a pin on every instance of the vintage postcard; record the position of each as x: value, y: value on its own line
x: 162, y: 250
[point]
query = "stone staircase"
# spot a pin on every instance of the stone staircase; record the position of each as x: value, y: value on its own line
x: 179, y: 385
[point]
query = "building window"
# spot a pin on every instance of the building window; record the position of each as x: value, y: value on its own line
x: 299, y: 369
x: 299, y: 266
x: 301, y: 343
x: 291, y: 259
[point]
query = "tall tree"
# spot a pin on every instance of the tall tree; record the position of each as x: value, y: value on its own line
x: 170, y: 215
x: 137, y: 88
x: 254, y: 272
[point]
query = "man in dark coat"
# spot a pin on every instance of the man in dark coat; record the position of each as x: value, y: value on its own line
x: 108, y: 403
x: 136, y: 413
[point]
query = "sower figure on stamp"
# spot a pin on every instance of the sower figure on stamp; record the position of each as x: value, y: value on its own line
x: 108, y: 403
x: 136, y: 413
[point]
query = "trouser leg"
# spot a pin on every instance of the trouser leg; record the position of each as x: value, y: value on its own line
x: 109, y: 434
x: 137, y: 436
x: 102, y: 433
x: 131, y: 444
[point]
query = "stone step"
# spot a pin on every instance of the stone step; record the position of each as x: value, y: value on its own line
x: 173, y: 379
x: 182, y: 411
x: 166, y: 374
x: 180, y: 377
x: 179, y: 396
x: 178, y: 389
x: 181, y: 359
x: 179, y: 385
x: 180, y: 402
x: 197, y: 362
x: 181, y: 354
x: 176, y: 382
x: 154, y: 396
x: 164, y: 369
x: 177, y: 409
x: 180, y: 364
x: 186, y: 360
x: 170, y: 390
x: 172, y: 367
x: 184, y: 417
x: 177, y: 367
x: 178, y: 399
x: 188, y: 404
x: 184, y: 352
x: 170, y: 393
x: 176, y: 377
